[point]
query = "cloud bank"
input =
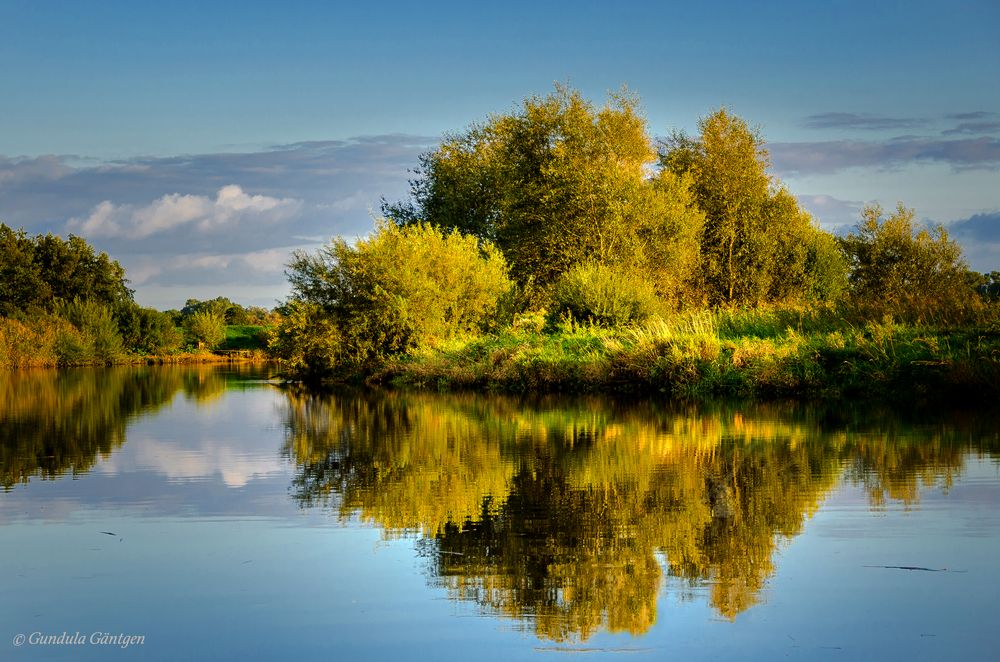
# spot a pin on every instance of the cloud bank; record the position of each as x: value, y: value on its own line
x: 833, y: 156
x: 230, y: 208
x: 860, y: 121
x: 213, y: 223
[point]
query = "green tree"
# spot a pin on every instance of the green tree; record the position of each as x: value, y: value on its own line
x: 207, y: 328
x: 21, y: 283
x: 396, y: 290
x: 145, y: 330
x: 757, y: 245
x: 899, y: 268
x: 39, y: 272
x: 558, y: 183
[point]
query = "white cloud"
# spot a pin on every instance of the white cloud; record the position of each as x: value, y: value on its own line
x: 210, y: 266
x: 230, y: 207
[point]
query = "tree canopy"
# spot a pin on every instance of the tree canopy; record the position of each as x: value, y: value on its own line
x: 558, y: 183
x: 758, y: 245
x: 39, y: 272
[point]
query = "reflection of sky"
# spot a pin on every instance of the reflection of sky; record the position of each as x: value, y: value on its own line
x: 218, y: 459
x: 238, y: 442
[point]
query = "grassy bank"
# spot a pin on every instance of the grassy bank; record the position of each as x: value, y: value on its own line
x: 754, y: 354
x: 53, y: 342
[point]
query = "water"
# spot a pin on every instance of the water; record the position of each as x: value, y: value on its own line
x: 218, y: 516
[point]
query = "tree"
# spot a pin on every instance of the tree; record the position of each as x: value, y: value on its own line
x: 559, y: 183
x: 396, y: 290
x: 39, y: 272
x: 758, y: 245
x: 21, y: 282
x: 146, y: 330
x: 207, y: 328
x: 903, y: 269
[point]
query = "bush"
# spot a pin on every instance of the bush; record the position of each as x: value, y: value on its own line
x: 146, y: 330
x: 397, y: 290
x: 899, y: 270
x: 245, y: 336
x: 24, y: 344
x: 308, y: 341
x: 603, y: 295
x: 95, y: 335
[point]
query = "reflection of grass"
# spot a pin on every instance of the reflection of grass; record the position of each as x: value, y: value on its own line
x: 754, y: 353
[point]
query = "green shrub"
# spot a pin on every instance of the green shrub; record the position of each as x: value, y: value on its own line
x: 308, y: 341
x: 245, y: 336
x: 397, y: 290
x: 603, y: 295
x: 97, y: 339
x: 901, y: 270
x: 72, y: 346
x: 146, y: 330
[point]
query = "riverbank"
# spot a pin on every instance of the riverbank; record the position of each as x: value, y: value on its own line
x: 50, y: 342
x: 179, y: 358
x: 698, y: 357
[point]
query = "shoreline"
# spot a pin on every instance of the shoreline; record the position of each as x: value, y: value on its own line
x: 883, y: 362
x: 182, y: 358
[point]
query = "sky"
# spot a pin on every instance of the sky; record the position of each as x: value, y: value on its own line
x: 199, y: 144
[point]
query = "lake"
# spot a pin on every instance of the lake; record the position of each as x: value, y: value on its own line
x: 165, y: 513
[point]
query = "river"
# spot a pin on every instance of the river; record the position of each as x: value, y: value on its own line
x: 164, y: 513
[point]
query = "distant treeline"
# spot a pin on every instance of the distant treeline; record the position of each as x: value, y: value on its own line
x: 527, y: 232
x: 63, y: 303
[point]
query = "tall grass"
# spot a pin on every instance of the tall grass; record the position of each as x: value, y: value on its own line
x: 762, y: 353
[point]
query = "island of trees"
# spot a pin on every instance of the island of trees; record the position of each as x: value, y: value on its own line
x: 560, y: 247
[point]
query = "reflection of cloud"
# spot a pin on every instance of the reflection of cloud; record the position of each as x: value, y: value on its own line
x: 230, y: 207
x: 860, y: 121
x: 236, y: 468
x: 836, y: 155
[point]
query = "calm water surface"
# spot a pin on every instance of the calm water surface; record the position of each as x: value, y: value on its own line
x: 221, y: 517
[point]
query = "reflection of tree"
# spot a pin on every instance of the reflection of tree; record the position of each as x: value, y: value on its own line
x: 892, y: 459
x: 565, y: 514
x: 405, y: 465
x: 203, y: 384
x: 54, y: 422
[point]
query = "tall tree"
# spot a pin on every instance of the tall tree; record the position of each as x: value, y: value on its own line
x: 758, y: 245
x: 558, y: 183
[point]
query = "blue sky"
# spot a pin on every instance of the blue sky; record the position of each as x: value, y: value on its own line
x: 200, y: 145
